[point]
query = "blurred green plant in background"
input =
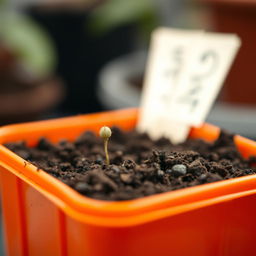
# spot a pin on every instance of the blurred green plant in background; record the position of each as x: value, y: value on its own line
x: 114, y: 13
x: 28, y: 41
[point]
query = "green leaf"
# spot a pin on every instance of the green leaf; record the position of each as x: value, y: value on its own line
x: 118, y: 12
x: 31, y: 43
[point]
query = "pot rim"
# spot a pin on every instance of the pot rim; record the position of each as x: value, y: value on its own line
x: 112, y: 213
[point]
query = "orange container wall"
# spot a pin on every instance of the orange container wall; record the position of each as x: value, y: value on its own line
x: 40, y: 228
x: 214, y: 230
x: 32, y: 222
x: 42, y: 216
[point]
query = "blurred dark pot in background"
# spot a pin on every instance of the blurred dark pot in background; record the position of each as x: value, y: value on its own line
x: 23, y: 95
x: 29, y: 103
x: 238, y: 16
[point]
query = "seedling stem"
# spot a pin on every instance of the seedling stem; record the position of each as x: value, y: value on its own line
x: 105, y: 133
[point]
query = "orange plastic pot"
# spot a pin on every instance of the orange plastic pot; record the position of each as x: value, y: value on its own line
x: 43, y: 216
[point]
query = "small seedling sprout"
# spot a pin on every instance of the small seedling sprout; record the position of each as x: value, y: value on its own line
x: 105, y: 134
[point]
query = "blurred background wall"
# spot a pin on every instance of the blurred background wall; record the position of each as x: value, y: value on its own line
x: 65, y: 57
x: 70, y: 42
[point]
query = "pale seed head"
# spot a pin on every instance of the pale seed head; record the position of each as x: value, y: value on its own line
x: 105, y: 132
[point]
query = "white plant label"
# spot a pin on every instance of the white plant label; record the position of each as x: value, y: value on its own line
x: 167, y: 56
x: 203, y: 77
x: 184, y: 73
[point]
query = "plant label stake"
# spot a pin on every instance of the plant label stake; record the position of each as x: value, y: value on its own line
x: 167, y: 56
x: 184, y: 74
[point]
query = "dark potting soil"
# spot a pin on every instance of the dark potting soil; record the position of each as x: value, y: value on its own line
x: 138, y: 166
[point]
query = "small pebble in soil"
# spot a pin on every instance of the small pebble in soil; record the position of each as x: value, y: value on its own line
x: 179, y: 169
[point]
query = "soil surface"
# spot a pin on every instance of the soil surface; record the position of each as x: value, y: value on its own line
x: 138, y: 166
